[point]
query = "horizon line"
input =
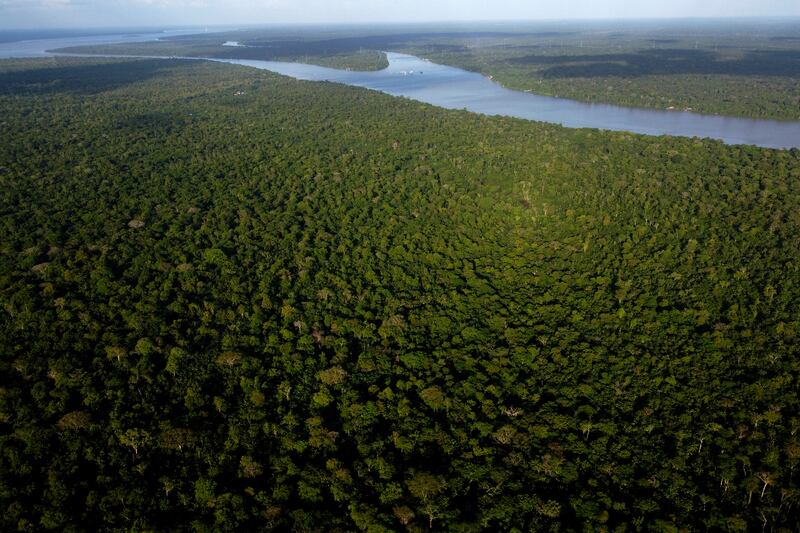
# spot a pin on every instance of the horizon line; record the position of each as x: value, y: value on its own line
x: 410, y: 22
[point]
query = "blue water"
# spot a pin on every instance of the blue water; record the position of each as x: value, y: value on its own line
x: 454, y: 88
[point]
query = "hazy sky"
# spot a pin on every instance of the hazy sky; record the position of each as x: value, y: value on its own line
x: 85, y: 13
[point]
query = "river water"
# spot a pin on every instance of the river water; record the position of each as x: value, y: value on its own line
x: 40, y: 47
x: 454, y: 88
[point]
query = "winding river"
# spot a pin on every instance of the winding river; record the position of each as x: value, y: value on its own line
x: 453, y: 88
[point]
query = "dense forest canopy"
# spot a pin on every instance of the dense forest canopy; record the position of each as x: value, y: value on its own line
x: 234, y: 301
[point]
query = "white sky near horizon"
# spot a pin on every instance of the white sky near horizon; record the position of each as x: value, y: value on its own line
x: 27, y: 14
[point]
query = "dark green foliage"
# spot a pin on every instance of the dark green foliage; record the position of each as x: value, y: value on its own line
x: 317, y: 307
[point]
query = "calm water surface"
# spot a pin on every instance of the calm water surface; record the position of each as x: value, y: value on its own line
x: 39, y: 47
x: 454, y: 88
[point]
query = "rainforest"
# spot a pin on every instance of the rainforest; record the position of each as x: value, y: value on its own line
x: 235, y: 301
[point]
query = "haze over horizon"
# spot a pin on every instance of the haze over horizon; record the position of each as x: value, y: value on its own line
x: 28, y: 14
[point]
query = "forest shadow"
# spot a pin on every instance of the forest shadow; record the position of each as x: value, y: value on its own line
x: 668, y: 61
x: 152, y: 121
x: 78, y: 78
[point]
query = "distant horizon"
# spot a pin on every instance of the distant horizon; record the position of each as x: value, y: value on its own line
x: 90, y: 14
x: 235, y: 26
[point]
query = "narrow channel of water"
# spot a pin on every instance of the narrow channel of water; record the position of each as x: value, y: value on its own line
x: 39, y: 47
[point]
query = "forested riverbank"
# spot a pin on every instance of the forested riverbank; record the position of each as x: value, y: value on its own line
x: 744, y: 68
x: 213, y: 46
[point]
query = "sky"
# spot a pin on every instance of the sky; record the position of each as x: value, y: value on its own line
x: 23, y: 14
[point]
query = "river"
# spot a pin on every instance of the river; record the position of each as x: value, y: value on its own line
x: 454, y: 88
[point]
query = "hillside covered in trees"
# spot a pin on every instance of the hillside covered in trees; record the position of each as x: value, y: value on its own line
x: 232, y: 301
